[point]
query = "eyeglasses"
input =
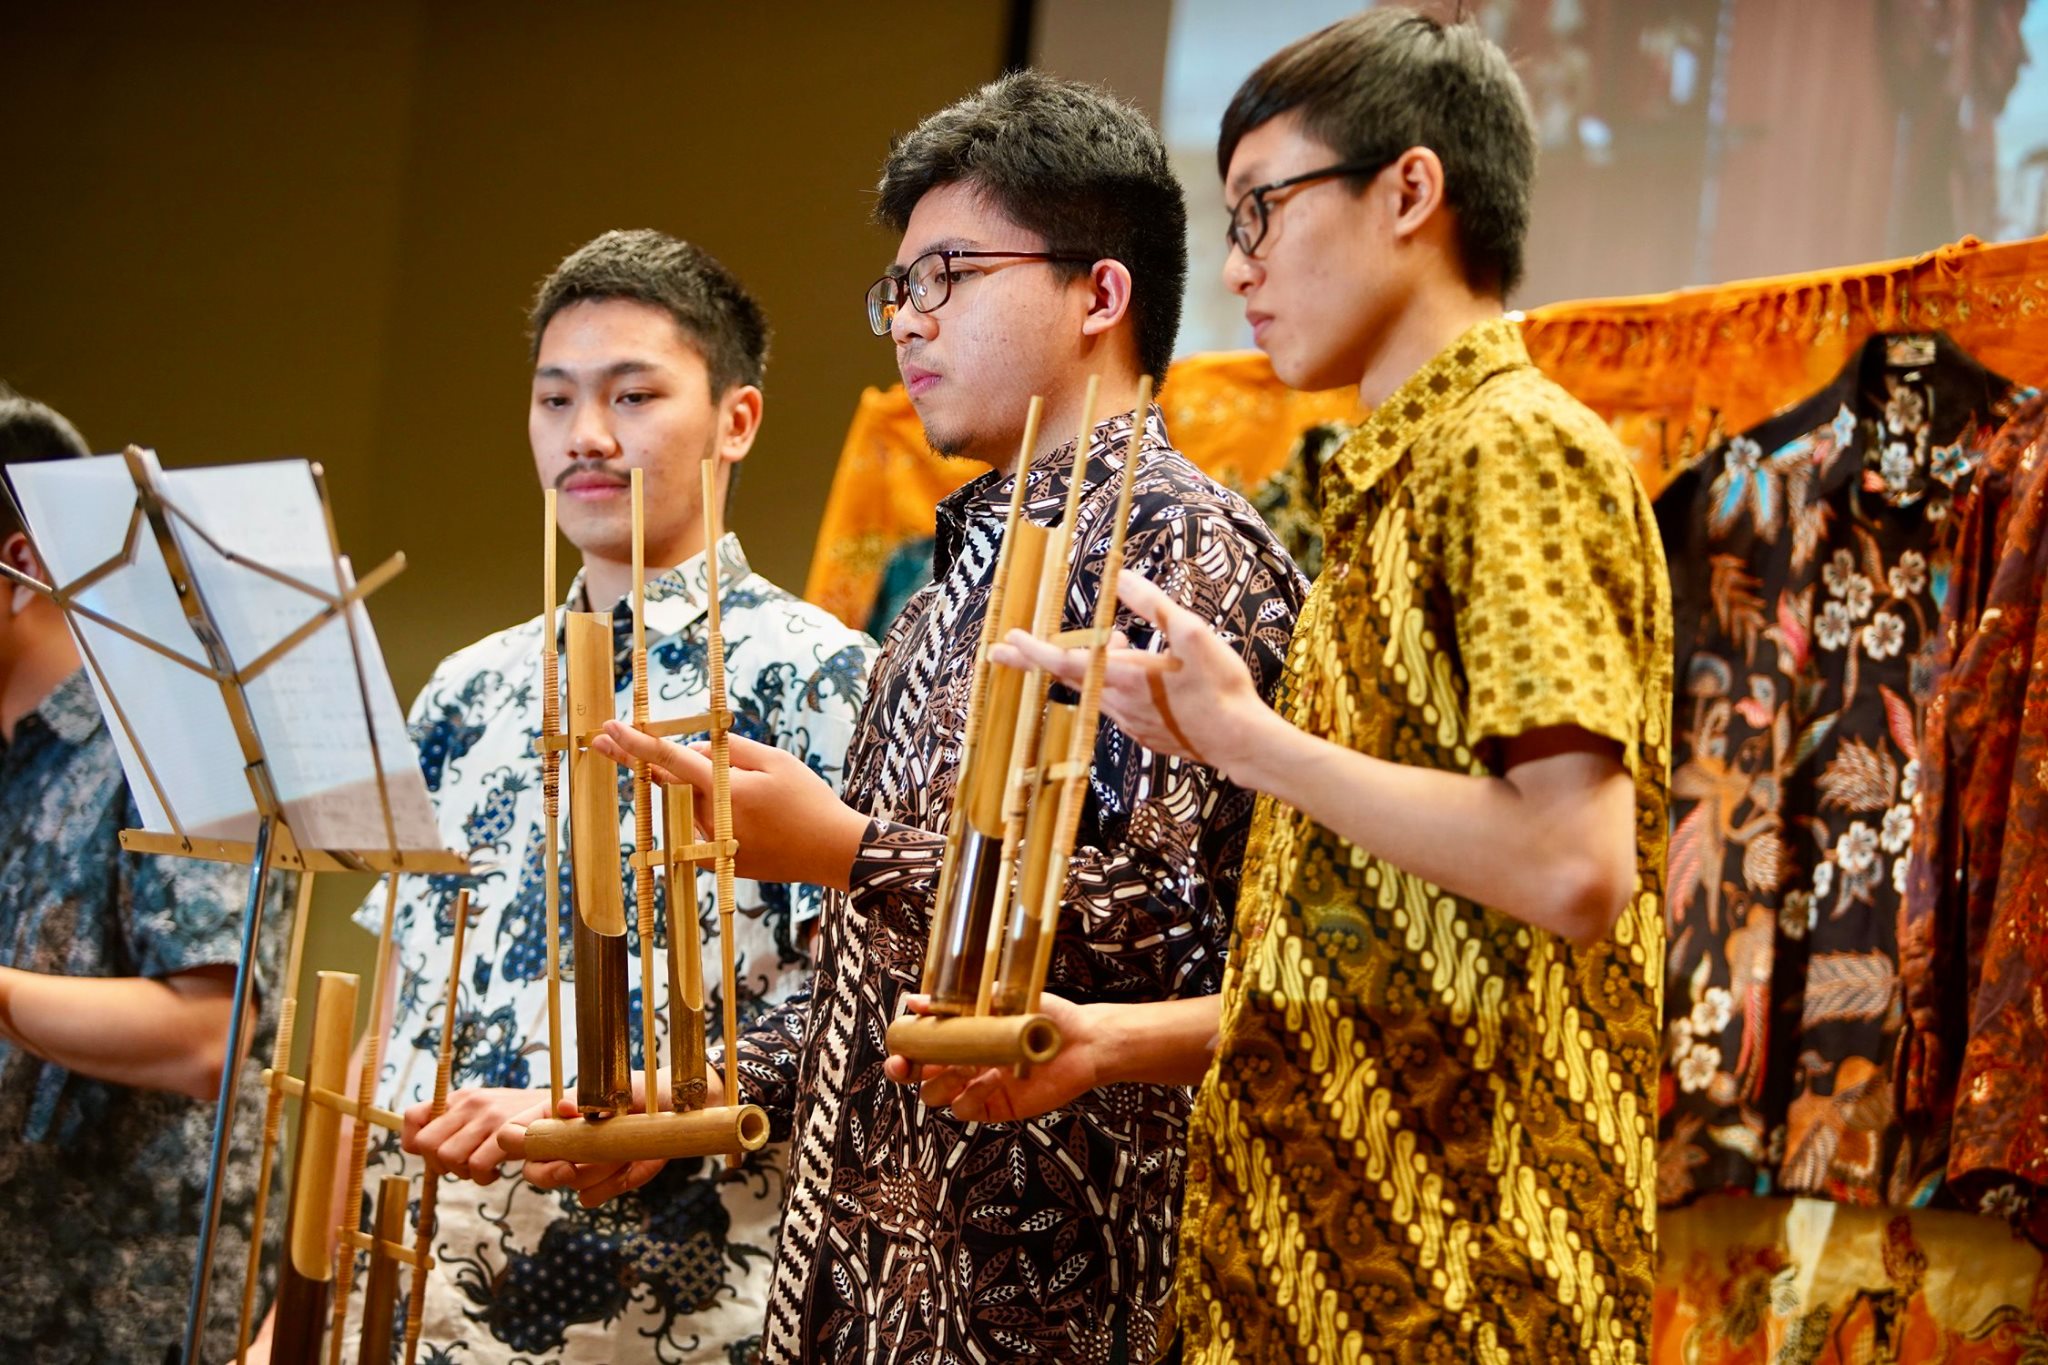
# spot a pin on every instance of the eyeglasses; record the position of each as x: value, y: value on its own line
x: 1252, y: 215
x: 927, y: 282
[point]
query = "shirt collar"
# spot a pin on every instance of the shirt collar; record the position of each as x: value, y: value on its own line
x: 71, y: 710
x: 988, y: 497
x: 1482, y: 351
x: 679, y: 598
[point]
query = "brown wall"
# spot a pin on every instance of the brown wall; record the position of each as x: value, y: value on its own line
x: 248, y: 231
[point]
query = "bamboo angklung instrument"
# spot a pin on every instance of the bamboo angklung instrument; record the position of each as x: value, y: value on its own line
x: 610, y: 1132
x: 1024, y: 770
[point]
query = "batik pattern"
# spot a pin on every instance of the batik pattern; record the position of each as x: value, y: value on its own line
x: 102, y: 1186
x: 677, y: 1271
x: 1429, y: 1130
x: 909, y: 1235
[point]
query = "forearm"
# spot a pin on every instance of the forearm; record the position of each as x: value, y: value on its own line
x: 1165, y: 1042
x: 133, y: 1031
x: 1546, y: 862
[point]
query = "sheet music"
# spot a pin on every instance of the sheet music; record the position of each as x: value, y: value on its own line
x: 78, y: 513
x: 307, y: 707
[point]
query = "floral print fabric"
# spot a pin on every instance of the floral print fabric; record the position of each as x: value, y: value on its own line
x: 677, y: 1271
x: 1809, y: 558
x: 1973, y: 945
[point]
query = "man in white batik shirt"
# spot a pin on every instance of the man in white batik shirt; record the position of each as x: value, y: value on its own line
x: 647, y: 354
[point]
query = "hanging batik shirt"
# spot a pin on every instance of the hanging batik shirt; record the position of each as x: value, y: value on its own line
x: 1428, y: 1132
x: 101, y: 1185
x: 677, y: 1271
x: 910, y: 1235
x: 1973, y: 932
x: 1810, y: 557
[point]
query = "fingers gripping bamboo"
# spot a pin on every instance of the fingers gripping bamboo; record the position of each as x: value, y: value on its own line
x: 273, y: 1111
x: 430, y: 1178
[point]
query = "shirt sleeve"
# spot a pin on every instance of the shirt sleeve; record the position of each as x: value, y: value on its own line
x: 1152, y: 884
x: 184, y: 913
x: 1547, y: 551
x: 771, y: 1050
x: 819, y: 729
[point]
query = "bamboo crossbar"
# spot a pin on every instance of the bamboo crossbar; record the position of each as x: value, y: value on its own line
x: 284, y: 1083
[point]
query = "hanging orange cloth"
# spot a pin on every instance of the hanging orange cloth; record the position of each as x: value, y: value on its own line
x: 1672, y: 373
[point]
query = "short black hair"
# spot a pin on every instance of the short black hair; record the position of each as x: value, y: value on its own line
x: 1072, y: 163
x: 31, y: 432
x: 717, y: 314
x: 1380, y: 82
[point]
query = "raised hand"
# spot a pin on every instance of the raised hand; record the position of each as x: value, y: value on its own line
x: 791, y: 825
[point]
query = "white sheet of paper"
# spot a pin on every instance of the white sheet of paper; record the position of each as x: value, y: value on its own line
x: 308, y: 707
x: 78, y: 512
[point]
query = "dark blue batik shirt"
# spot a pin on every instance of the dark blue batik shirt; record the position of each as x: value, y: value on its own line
x: 101, y: 1185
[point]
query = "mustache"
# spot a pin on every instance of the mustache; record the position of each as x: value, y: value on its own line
x: 597, y: 467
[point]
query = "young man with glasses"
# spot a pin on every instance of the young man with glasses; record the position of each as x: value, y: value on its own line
x: 1042, y: 243
x: 1427, y: 1120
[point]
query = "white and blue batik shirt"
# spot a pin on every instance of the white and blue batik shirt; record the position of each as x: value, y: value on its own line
x: 679, y: 1270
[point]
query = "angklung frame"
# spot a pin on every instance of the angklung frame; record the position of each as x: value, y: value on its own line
x: 1024, y: 768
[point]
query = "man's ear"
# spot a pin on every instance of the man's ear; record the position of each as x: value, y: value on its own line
x: 1110, y: 302
x: 739, y: 422
x: 1417, y: 183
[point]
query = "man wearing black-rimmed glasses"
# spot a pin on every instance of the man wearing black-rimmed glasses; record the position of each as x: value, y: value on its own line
x: 1042, y: 242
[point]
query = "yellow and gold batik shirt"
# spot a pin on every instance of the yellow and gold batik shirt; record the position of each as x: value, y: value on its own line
x: 1430, y: 1130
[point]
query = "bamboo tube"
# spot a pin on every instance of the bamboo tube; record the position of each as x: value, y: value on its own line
x: 604, y: 1076
x: 273, y: 1113
x: 380, y: 1289
x: 1074, y: 787
x: 551, y: 797
x: 1024, y: 749
x: 643, y: 804
x: 1035, y: 858
x: 593, y: 781
x: 649, y: 1137
x: 430, y: 1179
x: 359, y: 1141
x: 334, y: 1018
x: 985, y: 1040
x: 687, y: 1071
x: 960, y: 925
x: 721, y: 789
x: 971, y: 741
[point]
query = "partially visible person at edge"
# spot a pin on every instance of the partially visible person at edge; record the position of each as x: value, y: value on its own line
x: 1042, y: 241
x: 1427, y: 1118
x: 116, y: 991
x: 648, y: 354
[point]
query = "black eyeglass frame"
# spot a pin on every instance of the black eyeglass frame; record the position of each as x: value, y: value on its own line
x: 1366, y: 166
x: 879, y: 321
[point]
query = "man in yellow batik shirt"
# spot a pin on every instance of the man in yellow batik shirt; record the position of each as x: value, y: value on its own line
x: 1427, y: 1120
